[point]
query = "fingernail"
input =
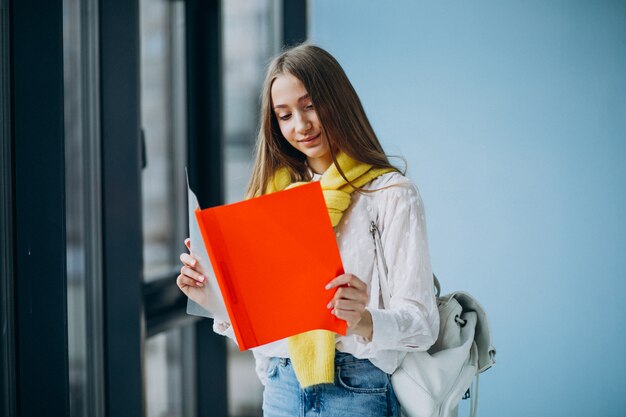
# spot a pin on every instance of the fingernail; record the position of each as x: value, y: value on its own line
x: 328, y: 286
x: 199, y: 284
x: 202, y: 278
x: 329, y: 305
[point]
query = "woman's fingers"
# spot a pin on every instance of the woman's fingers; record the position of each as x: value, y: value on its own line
x: 350, y: 300
x: 352, y: 317
x: 189, y: 265
x: 192, y: 273
x: 190, y: 281
x: 347, y: 304
x: 188, y: 271
x: 188, y: 260
x: 343, y: 306
x: 348, y: 280
x: 350, y: 287
x: 184, y: 281
x: 349, y: 293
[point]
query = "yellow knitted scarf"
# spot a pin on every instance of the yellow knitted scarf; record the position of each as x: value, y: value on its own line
x: 313, y: 353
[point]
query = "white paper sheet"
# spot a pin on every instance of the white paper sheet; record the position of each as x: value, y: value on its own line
x: 211, y: 304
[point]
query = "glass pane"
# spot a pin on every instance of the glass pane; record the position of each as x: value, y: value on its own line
x: 165, y: 373
x: 83, y: 222
x: 249, y: 41
x: 163, y: 121
x: 75, y: 210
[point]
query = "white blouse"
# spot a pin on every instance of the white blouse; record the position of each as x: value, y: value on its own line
x: 412, y: 321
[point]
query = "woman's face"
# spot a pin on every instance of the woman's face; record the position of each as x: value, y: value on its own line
x: 298, y: 121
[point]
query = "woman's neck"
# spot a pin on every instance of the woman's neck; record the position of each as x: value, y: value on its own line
x: 319, y: 165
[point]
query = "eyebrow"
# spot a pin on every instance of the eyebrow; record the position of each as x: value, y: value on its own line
x: 304, y: 97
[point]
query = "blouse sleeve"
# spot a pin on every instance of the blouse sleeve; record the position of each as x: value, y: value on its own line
x: 411, y: 321
x: 224, y: 328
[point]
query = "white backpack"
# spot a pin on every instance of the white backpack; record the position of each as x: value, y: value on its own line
x: 431, y: 383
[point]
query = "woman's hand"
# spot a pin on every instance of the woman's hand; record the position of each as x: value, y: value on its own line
x: 191, y: 281
x: 349, y: 304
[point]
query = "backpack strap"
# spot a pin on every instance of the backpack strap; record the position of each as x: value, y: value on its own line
x: 381, y: 265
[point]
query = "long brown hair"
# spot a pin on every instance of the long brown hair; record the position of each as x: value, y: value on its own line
x: 338, y: 108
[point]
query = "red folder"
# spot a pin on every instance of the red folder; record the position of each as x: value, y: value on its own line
x: 272, y: 256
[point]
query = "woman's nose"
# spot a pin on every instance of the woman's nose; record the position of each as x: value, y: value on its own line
x: 303, y: 124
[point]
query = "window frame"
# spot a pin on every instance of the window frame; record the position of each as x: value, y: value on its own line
x: 38, y: 310
x: 7, y: 352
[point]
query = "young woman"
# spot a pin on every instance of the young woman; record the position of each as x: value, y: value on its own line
x: 313, y: 128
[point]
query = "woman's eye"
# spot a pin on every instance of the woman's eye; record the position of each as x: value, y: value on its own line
x: 309, y: 107
x: 284, y: 117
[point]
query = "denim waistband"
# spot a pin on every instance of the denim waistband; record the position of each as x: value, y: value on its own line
x: 341, y: 358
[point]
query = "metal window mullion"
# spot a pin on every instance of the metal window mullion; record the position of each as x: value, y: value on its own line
x: 37, y: 117
x: 93, y: 204
x: 179, y: 125
x: 205, y: 161
x: 122, y: 257
x: 7, y: 306
x: 294, y: 22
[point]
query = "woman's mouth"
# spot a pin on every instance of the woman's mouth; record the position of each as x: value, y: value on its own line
x: 309, y: 140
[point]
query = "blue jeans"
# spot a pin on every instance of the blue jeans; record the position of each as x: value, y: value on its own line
x: 360, y: 389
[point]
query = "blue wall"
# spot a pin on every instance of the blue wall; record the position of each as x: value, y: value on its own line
x: 512, y: 116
